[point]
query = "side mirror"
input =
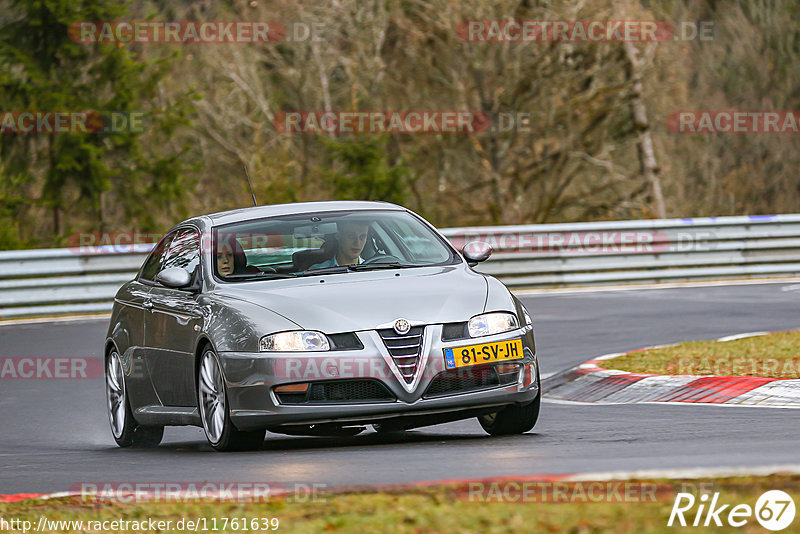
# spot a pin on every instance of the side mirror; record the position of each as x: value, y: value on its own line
x: 174, y: 277
x: 476, y: 251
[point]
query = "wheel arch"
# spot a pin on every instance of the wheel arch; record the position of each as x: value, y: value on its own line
x: 110, y: 345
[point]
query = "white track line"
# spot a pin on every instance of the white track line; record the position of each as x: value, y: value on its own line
x: 56, y: 319
x: 662, y: 403
x: 741, y: 336
x: 649, y: 287
x: 696, y: 472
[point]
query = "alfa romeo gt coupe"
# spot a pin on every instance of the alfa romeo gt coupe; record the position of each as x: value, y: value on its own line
x: 315, y: 318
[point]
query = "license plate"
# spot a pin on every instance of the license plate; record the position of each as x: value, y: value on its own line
x: 484, y: 353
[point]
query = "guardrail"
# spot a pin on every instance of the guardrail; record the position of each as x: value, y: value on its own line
x: 69, y: 281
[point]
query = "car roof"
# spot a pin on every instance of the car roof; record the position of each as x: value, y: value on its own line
x: 296, y: 208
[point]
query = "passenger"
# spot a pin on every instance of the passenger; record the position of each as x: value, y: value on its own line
x: 231, y: 259
x: 351, y: 237
x: 225, y: 260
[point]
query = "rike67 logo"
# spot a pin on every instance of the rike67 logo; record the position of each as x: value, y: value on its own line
x: 774, y: 510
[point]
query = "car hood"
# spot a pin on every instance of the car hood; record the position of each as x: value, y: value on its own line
x: 363, y: 301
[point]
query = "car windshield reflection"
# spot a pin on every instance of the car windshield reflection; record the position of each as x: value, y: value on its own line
x: 326, y: 243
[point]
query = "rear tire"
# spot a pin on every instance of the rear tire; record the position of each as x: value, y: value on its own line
x: 514, y: 419
x: 124, y: 428
x: 215, y: 412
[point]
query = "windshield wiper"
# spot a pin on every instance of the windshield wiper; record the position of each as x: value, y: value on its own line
x: 339, y: 269
x: 336, y: 269
x: 389, y: 265
x: 260, y: 276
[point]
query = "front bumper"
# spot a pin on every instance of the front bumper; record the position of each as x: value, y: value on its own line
x: 251, y: 377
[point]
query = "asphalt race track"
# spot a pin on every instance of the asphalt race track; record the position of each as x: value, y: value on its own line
x: 54, y: 433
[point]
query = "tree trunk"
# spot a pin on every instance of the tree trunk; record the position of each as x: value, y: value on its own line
x: 56, y: 196
x: 56, y: 221
x: 647, y: 159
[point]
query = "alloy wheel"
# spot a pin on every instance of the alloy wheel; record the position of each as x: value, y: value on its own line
x: 212, y: 397
x: 115, y: 394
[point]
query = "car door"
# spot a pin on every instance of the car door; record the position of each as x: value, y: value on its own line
x: 134, y: 300
x: 170, y: 333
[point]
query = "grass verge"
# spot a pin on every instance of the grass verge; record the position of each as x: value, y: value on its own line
x: 772, y: 355
x: 437, y: 509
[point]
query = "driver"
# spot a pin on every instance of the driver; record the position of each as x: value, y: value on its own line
x: 351, y: 237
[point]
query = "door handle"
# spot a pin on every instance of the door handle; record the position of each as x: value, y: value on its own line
x: 147, y: 305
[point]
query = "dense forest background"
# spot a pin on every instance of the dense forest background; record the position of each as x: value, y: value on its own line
x: 595, y: 110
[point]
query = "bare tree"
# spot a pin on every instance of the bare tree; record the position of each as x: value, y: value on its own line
x: 650, y: 170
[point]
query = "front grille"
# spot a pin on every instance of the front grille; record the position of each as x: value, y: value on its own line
x: 405, y: 349
x: 340, y: 392
x: 466, y: 379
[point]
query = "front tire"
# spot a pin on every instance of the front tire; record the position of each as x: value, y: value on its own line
x: 514, y: 419
x: 124, y: 429
x: 215, y: 411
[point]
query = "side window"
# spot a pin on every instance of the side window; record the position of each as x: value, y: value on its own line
x: 153, y: 264
x: 183, y: 251
x: 417, y: 241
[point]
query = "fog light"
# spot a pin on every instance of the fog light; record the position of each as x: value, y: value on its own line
x: 506, y: 368
x: 292, y: 388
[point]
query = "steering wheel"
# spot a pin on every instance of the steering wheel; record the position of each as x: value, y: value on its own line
x: 267, y: 269
x: 382, y: 258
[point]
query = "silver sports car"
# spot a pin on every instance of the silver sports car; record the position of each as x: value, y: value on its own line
x: 316, y: 318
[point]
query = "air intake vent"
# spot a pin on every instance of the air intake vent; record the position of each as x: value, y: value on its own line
x: 455, y: 381
x: 339, y: 392
x: 405, y: 349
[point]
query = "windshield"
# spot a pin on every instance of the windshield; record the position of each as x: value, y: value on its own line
x: 326, y: 242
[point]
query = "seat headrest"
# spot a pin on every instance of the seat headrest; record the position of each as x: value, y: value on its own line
x: 303, y: 259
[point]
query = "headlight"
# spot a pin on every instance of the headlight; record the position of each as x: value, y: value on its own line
x: 492, y: 323
x: 294, y: 341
